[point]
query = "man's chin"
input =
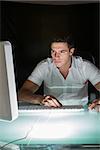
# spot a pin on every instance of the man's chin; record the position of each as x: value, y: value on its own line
x: 58, y: 65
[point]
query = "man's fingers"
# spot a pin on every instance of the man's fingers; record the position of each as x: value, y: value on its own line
x: 54, y: 102
x: 93, y: 105
x: 58, y: 104
x: 51, y: 102
x: 47, y: 104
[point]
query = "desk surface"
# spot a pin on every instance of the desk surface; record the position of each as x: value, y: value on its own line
x: 52, y: 128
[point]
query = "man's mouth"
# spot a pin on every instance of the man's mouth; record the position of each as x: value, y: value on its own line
x: 57, y: 61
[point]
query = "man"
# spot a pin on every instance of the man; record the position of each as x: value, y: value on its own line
x: 65, y: 78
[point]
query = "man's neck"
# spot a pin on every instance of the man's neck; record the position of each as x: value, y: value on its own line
x: 64, y: 70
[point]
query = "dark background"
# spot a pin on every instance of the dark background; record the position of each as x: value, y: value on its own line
x: 30, y: 27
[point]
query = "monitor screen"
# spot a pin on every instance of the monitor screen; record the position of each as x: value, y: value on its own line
x: 8, y: 96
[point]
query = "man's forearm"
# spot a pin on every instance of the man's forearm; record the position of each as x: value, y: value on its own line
x: 28, y: 96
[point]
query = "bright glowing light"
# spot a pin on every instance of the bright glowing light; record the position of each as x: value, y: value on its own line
x: 54, y: 127
x: 49, y: 130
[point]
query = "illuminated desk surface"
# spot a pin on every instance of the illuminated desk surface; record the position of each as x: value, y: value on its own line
x: 51, y: 128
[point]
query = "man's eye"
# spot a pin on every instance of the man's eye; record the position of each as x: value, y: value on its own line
x: 52, y: 51
x: 63, y: 51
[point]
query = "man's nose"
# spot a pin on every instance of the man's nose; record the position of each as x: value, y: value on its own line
x: 57, y: 54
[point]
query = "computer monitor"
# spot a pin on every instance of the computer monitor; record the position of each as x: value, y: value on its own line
x: 8, y: 96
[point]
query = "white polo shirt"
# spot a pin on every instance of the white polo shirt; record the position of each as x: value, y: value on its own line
x: 72, y: 90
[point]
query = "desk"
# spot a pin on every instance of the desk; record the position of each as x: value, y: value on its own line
x: 51, y: 128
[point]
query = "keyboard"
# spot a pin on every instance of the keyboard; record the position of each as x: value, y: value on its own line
x: 38, y: 108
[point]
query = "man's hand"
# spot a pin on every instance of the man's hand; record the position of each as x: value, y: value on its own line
x: 94, y: 104
x: 51, y: 101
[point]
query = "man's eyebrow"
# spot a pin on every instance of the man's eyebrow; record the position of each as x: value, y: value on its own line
x: 63, y: 50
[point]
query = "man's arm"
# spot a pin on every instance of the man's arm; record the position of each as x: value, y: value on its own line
x: 26, y: 93
x: 97, y: 86
x: 96, y: 101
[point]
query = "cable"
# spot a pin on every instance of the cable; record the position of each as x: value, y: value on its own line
x: 35, y: 125
x: 1, y: 148
x: 32, y: 127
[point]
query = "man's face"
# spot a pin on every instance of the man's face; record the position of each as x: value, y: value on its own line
x: 61, y: 54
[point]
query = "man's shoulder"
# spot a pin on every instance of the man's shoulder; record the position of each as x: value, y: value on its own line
x: 45, y: 62
x: 78, y: 61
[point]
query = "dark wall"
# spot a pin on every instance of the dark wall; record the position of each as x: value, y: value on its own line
x: 30, y: 28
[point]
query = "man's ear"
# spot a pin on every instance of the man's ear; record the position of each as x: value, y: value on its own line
x: 72, y: 51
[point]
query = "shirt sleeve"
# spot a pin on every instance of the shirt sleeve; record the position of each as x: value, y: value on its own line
x: 91, y: 72
x: 37, y: 76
